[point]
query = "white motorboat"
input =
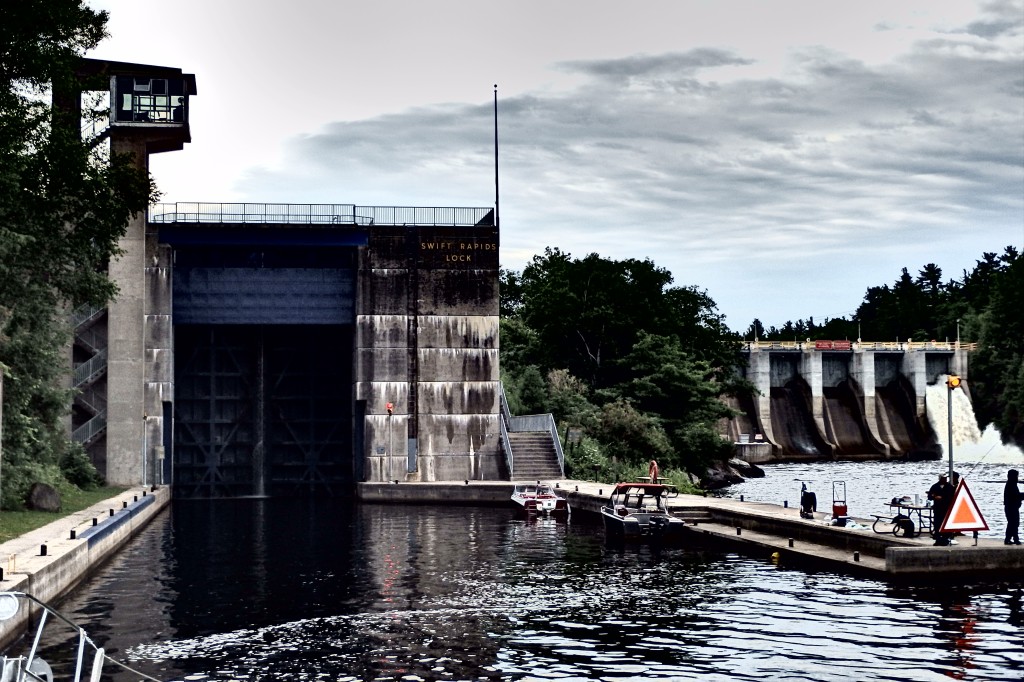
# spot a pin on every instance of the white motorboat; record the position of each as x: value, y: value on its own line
x: 539, y: 498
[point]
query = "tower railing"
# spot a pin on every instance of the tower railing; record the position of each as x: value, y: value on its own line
x: 320, y: 214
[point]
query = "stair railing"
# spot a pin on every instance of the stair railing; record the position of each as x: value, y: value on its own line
x: 90, y: 429
x: 90, y: 369
x: 506, y: 419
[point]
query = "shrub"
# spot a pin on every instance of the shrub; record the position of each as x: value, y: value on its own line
x: 78, y: 469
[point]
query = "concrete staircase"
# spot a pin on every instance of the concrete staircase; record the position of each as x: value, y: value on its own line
x: 534, y: 457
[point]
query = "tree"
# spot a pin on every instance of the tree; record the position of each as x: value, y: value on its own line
x: 640, y: 364
x: 63, y: 208
x: 997, y: 370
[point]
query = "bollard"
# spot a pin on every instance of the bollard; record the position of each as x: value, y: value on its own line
x: 791, y: 542
x: 577, y: 488
x: 600, y: 491
x: 557, y: 485
x: 73, y: 534
x: 856, y: 556
x: 42, y: 550
x: 739, y: 531
x: 124, y: 505
x: 741, y: 498
x: 135, y: 498
x: 111, y: 512
x: 785, y: 504
x: 143, y: 493
x: 467, y: 481
x: 1, y: 575
x: 152, y: 489
x: 94, y: 522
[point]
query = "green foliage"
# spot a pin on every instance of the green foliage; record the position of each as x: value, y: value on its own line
x: 78, y: 469
x: 630, y: 436
x: 997, y: 369
x: 636, y: 363
x: 63, y: 208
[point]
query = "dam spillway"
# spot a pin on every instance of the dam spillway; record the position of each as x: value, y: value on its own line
x: 842, y: 399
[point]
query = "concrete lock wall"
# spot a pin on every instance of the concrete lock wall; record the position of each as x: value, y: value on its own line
x: 427, y: 342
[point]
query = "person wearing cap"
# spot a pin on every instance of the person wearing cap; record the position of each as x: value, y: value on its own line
x: 941, y: 495
x: 1011, y: 505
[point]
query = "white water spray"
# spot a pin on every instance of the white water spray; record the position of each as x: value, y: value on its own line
x: 969, y: 443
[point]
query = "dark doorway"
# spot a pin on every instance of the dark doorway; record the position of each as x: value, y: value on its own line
x: 262, y: 410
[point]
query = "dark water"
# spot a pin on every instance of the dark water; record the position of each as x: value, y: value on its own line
x: 271, y: 590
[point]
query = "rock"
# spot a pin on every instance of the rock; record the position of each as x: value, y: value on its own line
x: 721, y: 476
x: 43, y: 497
x: 746, y: 469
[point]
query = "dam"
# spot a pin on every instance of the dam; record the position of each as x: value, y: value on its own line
x: 841, y: 399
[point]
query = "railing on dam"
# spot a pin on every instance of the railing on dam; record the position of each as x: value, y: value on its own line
x: 820, y: 345
x: 321, y: 214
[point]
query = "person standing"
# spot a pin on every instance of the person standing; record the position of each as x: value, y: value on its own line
x: 941, y: 495
x: 652, y: 471
x: 1011, y: 505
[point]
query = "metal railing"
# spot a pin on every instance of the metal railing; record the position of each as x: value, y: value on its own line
x: 506, y: 417
x: 535, y: 423
x: 84, y: 314
x: 90, y: 369
x: 90, y: 429
x: 861, y: 345
x: 320, y: 214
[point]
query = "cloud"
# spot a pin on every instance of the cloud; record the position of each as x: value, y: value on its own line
x: 832, y: 166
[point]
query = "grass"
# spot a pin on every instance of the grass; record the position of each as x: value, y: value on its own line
x: 16, y: 523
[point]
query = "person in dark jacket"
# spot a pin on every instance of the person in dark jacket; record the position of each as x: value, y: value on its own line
x: 941, y: 495
x: 1011, y: 505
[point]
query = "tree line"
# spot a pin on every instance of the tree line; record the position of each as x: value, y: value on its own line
x: 636, y: 368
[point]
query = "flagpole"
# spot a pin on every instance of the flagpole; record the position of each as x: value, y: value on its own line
x: 497, y: 205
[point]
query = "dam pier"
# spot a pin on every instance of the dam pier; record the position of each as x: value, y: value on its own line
x: 842, y: 399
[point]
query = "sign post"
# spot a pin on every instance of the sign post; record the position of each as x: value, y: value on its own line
x: 952, y: 381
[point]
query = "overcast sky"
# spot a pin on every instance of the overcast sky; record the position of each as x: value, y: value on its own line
x: 782, y: 156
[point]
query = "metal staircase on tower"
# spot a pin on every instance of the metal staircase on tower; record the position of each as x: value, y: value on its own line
x: 89, y: 353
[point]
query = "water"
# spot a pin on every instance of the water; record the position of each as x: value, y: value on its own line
x: 321, y: 590
x: 870, y: 485
x: 979, y: 457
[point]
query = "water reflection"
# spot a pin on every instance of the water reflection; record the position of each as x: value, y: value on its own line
x: 311, y: 590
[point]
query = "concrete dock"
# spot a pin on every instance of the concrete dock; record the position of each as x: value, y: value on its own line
x: 50, y: 561
x: 761, y: 529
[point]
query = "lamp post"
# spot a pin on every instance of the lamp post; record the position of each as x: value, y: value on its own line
x: 391, y: 410
x: 958, y: 333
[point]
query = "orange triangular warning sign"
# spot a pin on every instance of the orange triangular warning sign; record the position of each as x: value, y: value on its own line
x: 963, y: 513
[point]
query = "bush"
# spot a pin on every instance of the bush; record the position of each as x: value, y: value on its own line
x: 18, y: 480
x: 78, y: 469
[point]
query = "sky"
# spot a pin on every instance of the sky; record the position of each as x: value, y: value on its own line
x: 781, y: 156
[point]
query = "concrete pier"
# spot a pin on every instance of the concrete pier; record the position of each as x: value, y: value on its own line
x: 75, y: 545
x: 760, y: 528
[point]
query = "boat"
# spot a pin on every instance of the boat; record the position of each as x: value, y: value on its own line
x: 638, y: 512
x: 89, y: 661
x: 539, y: 498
